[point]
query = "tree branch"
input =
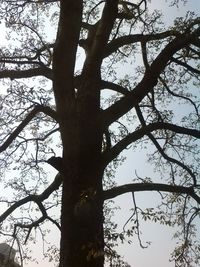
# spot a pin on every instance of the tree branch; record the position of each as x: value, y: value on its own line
x: 161, y: 150
x: 149, y: 80
x: 47, y: 110
x: 108, y: 156
x: 185, y: 65
x: 179, y: 96
x: 135, y: 38
x: 34, y: 198
x: 36, y: 222
x: 101, y: 36
x: 141, y: 187
x: 18, y: 74
x: 114, y: 87
x: 104, y: 85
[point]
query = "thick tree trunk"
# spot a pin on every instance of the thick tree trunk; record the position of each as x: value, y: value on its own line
x: 82, y: 206
x: 81, y: 227
x: 78, y: 114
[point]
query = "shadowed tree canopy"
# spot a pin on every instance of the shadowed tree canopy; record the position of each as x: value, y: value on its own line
x: 81, y: 82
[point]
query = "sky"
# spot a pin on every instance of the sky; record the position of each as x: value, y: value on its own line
x: 162, y: 244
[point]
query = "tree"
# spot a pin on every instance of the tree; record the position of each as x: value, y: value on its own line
x: 92, y: 108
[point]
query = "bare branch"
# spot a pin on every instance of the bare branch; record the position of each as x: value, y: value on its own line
x: 47, y: 110
x: 104, y: 85
x: 138, y: 134
x: 34, y: 198
x: 141, y: 187
x: 170, y: 159
x: 179, y: 96
x: 114, y: 87
x: 36, y: 222
x: 136, y: 38
x: 185, y: 65
x: 161, y: 150
x: 150, y: 79
x: 18, y: 74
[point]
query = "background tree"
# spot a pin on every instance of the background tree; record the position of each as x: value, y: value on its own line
x: 88, y: 109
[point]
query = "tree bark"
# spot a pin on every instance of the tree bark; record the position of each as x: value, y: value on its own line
x: 82, y: 205
x: 81, y: 220
x: 78, y: 116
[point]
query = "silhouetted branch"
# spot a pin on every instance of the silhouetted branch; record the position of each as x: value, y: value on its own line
x: 151, y: 76
x: 46, y: 110
x: 18, y: 74
x: 38, y: 199
x: 141, y: 187
x: 185, y: 65
x: 145, y: 130
x: 136, y: 38
x: 114, y: 87
x: 161, y: 150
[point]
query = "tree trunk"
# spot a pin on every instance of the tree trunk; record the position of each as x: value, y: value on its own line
x: 78, y: 112
x: 82, y: 206
x: 81, y: 227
